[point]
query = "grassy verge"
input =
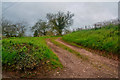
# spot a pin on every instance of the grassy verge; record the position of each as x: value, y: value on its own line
x: 103, y: 39
x: 69, y: 49
x: 101, y: 53
x: 27, y: 53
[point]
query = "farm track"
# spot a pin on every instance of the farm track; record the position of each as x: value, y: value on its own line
x: 74, y: 67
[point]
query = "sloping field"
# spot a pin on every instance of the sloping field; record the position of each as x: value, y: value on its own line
x: 103, y: 39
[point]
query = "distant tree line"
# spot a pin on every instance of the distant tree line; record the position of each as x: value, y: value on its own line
x: 56, y: 24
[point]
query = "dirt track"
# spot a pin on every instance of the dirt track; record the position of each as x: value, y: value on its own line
x: 74, y: 67
x: 97, y: 66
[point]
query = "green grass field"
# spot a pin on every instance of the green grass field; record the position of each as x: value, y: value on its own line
x: 104, y: 39
x: 27, y: 53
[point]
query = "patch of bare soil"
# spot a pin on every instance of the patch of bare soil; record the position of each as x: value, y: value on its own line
x: 44, y: 71
x: 40, y: 72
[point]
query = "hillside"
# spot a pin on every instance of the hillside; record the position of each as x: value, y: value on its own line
x: 103, y: 39
x: 28, y: 55
x: 56, y: 57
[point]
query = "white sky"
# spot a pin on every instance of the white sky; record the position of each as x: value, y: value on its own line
x: 60, y: 0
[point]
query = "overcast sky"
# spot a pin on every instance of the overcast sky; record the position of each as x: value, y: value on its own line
x: 86, y: 13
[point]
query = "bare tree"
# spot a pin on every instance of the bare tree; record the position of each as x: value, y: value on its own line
x: 12, y: 30
x: 8, y: 29
x: 21, y: 28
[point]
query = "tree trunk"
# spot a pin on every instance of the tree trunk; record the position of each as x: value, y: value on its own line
x: 60, y: 32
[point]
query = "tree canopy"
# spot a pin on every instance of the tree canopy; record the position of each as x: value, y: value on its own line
x: 60, y: 20
x: 40, y: 27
